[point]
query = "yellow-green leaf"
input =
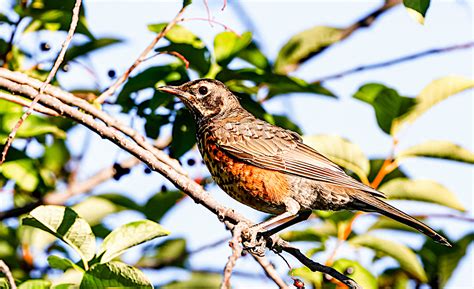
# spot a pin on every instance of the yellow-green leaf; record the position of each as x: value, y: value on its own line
x: 432, y: 94
x: 401, y: 253
x: 421, y: 190
x: 417, y: 9
x: 357, y: 272
x: 438, y: 149
x: 341, y: 151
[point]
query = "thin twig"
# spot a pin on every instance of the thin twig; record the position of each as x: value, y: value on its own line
x: 174, y: 53
x: 26, y: 103
x: 395, y: 61
x: 5, y: 270
x: 271, y: 272
x: 111, y: 90
x: 52, y: 73
x: 236, y: 253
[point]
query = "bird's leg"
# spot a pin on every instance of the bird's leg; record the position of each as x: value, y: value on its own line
x: 291, y: 216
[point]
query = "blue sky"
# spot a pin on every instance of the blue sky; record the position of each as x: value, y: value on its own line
x: 392, y: 35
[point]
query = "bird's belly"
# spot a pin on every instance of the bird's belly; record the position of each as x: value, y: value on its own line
x: 261, y: 189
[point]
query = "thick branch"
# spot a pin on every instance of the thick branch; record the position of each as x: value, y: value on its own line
x: 5, y: 270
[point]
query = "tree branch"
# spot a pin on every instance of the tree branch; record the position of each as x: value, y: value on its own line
x: 18, y: 100
x: 52, y: 73
x: 5, y: 270
x: 111, y: 90
x: 106, y: 127
x: 395, y: 61
x: 236, y: 253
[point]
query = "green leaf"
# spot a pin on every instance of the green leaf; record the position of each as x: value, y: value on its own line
x: 66, y: 225
x: 421, y: 190
x: 179, y: 35
x: 401, y: 253
x: 432, y: 94
x: 114, y: 274
x: 35, y: 284
x: 199, y: 58
x: 171, y: 252
x: 228, y: 44
x: 160, y: 203
x: 317, y: 233
x: 187, y: 2
x: 183, y: 133
x: 304, y: 45
x: 313, y: 278
x: 393, y: 278
x: 90, y: 46
x: 148, y: 78
x: 56, y: 156
x: 63, y: 264
x: 341, y: 151
x: 440, y: 261
x: 417, y: 9
x: 34, y: 125
x: 127, y: 236
x: 387, y: 103
x: 357, y: 272
x: 23, y: 171
x: 438, y: 149
x: 94, y: 209
x: 376, y: 165
x: 254, y: 56
x: 197, y: 281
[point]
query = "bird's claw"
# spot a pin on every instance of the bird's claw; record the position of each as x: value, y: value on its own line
x: 253, y: 242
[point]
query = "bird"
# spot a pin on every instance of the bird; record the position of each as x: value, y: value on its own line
x: 269, y: 168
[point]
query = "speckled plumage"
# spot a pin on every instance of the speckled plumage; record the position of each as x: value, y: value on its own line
x: 269, y: 168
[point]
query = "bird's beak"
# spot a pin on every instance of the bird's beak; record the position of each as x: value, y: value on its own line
x: 176, y: 90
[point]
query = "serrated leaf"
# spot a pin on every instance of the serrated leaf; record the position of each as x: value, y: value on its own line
x: 127, y: 236
x: 304, y: 45
x: 114, y: 274
x: 438, y: 149
x: 228, y: 44
x: 421, y: 190
x: 401, y: 253
x: 357, y: 272
x: 35, y: 284
x: 66, y: 225
x: 432, y: 94
x: 417, y: 9
x: 341, y: 151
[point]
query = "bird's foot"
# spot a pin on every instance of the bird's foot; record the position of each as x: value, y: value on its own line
x: 255, y: 242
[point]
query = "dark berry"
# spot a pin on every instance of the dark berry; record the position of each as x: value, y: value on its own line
x: 164, y: 188
x: 147, y: 171
x: 119, y: 171
x: 44, y: 46
x: 191, y: 162
x: 349, y: 271
x: 111, y: 73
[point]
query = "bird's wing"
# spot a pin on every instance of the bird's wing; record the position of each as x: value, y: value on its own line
x: 275, y: 148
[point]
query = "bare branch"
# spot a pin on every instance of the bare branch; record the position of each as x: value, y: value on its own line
x: 395, y: 61
x: 21, y: 101
x: 5, y: 270
x: 52, y: 73
x: 236, y: 253
x: 111, y: 90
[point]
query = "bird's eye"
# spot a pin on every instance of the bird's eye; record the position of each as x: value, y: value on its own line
x: 202, y: 90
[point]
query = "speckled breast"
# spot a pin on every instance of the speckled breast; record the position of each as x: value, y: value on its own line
x: 261, y: 189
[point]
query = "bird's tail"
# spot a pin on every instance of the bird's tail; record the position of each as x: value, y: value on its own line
x: 367, y: 202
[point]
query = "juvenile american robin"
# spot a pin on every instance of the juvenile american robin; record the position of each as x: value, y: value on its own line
x: 269, y: 168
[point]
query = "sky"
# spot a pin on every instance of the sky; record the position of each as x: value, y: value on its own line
x: 393, y: 35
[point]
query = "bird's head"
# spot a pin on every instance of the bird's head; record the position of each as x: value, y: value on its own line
x: 204, y: 97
